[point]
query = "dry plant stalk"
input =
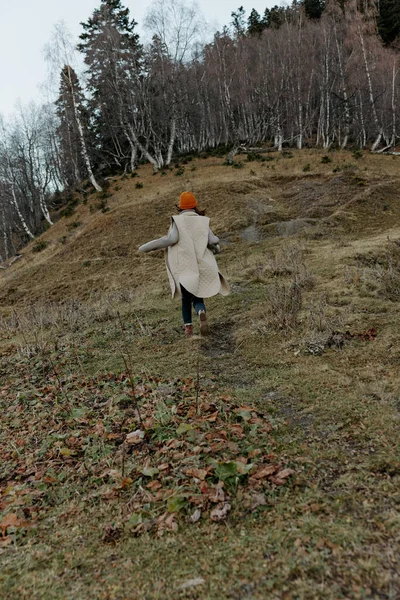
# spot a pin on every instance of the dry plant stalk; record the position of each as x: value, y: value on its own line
x: 128, y: 366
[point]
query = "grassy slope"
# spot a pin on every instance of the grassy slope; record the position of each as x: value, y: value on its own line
x: 334, y: 531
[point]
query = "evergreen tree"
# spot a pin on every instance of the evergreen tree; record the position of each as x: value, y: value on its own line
x: 70, y: 99
x: 112, y: 53
x: 238, y: 21
x: 314, y: 8
x: 274, y: 17
x: 255, y: 24
x: 389, y: 20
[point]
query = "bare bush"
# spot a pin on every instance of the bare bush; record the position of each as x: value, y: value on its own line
x: 284, y: 300
x: 290, y: 260
x: 68, y: 316
x: 320, y: 317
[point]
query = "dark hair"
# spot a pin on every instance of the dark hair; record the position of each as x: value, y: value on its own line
x: 199, y: 212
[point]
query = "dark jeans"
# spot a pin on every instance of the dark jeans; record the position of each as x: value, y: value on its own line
x: 187, y: 300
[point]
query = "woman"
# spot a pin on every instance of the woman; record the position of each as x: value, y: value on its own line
x: 192, y: 269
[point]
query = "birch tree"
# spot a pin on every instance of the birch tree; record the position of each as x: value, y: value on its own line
x: 60, y: 58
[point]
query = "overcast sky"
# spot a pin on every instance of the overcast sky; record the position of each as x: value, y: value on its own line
x: 26, y: 25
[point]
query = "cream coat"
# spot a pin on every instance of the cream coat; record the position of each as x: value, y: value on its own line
x: 190, y: 263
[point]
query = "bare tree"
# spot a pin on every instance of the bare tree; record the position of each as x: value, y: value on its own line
x: 59, y: 53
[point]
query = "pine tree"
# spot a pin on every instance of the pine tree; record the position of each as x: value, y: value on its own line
x: 389, y: 20
x: 255, y: 24
x: 314, y: 8
x: 112, y: 53
x: 274, y: 17
x: 73, y: 130
x: 72, y: 163
x: 238, y: 21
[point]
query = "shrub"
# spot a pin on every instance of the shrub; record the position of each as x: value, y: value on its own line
x: 139, y: 185
x: 68, y: 211
x: 74, y: 225
x: 284, y: 303
x: 326, y: 159
x: 180, y: 171
x: 39, y: 246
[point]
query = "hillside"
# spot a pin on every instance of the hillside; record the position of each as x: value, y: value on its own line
x: 288, y: 413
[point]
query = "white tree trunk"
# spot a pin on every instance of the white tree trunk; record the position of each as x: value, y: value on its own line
x: 371, y: 94
x: 14, y: 203
x: 85, y: 154
x: 394, y: 75
x: 171, y: 139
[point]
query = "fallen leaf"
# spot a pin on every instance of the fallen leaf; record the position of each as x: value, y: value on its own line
x: 285, y: 473
x: 154, y: 485
x: 197, y: 473
x: 66, y: 452
x: 150, y: 471
x: 135, y: 437
x: 264, y: 471
x: 220, y: 512
x: 212, y: 417
x: 195, y: 516
x: 190, y: 583
x: 5, y: 541
x: 184, y: 428
x: 10, y: 520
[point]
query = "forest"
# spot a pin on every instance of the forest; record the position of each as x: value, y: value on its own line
x: 313, y: 74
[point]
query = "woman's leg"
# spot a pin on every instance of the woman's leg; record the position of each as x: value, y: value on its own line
x: 200, y: 308
x: 186, y: 306
x: 198, y: 304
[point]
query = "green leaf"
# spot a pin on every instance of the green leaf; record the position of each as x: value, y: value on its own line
x: 150, y: 471
x: 78, y: 413
x: 244, y: 414
x: 184, y: 428
x: 135, y: 519
x: 225, y: 471
x: 176, y: 504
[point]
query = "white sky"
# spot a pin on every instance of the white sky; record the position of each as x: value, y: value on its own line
x: 26, y: 26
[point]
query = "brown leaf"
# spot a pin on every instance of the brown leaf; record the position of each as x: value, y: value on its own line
x: 220, y: 512
x: 197, y: 473
x: 216, y: 494
x: 264, y: 471
x: 258, y: 500
x: 285, y: 473
x: 5, y: 541
x: 10, y: 520
x: 237, y: 430
x: 281, y: 477
x: 167, y: 522
x: 212, y: 417
x: 154, y: 485
x: 255, y: 452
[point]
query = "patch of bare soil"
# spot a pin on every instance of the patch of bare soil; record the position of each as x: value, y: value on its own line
x: 220, y: 343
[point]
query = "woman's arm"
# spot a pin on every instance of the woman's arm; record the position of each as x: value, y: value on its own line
x: 163, y: 242
x: 213, y: 242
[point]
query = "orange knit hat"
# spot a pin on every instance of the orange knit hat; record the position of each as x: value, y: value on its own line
x: 187, y: 201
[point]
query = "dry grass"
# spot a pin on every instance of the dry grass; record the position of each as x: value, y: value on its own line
x: 333, y: 533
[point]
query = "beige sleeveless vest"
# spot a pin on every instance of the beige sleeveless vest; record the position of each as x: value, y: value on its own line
x: 189, y: 261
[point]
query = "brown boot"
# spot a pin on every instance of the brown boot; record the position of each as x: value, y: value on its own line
x: 189, y: 330
x: 204, y: 328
